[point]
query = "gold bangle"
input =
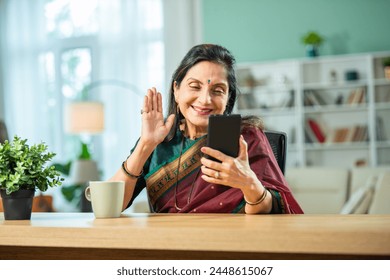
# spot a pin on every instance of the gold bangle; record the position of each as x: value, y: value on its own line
x: 263, y: 196
x: 130, y: 174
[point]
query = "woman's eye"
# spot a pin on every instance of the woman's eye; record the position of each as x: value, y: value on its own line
x: 194, y: 86
x: 219, y: 91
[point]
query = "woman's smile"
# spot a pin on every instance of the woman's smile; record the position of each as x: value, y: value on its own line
x: 201, y: 110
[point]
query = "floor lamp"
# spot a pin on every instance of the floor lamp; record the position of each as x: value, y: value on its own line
x: 84, y: 118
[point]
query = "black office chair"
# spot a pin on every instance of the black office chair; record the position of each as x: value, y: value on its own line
x: 278, y: 143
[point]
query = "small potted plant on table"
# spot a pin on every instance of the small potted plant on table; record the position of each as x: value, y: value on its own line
x: 22, y: 171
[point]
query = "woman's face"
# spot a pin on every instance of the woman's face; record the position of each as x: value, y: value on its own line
x: 203, y: 92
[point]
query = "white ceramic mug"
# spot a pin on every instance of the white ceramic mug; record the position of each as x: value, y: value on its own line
x: 106, y: 198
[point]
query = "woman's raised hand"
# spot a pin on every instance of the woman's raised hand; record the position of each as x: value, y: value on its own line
x: 154, y: 129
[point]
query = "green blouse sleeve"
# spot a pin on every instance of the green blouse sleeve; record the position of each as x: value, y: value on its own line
x: 277, y: 203
x: 141, y: 182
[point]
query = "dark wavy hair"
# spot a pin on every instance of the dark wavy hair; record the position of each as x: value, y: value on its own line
x: 205, y: 52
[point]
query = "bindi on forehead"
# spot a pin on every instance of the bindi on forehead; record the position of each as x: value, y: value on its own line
x: 208, y: 81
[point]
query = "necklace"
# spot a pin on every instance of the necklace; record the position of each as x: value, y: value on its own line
x: 177, y: 179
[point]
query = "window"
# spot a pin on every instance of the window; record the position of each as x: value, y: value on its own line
x: 79, y: 34
x: 71, y: 29
x: 54, y: 48
x: 71, y: 18
x: 76, y: 66
x: 50, y: 49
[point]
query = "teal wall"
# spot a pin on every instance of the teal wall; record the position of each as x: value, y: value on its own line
x: 257, y: 30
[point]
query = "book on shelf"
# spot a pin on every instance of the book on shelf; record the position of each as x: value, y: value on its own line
x: 357, y: 133
x: 362, y: 136
x: 310, y: 100
x: 356, y: 96
x: 341, y: 135
x: 314, y: 131
x: 361, y: 133
x: 380, y: 129
x: 314, y: 98
x: 320, y: 98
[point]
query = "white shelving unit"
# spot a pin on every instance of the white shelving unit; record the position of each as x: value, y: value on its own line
x: 330, y: 119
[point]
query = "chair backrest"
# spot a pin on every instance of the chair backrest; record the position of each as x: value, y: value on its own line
x: 278, y: 143
x: 3, y: 132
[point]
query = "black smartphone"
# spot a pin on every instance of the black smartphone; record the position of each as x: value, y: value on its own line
x: 224, y: 133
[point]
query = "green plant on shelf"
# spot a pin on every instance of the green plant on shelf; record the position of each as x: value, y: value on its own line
x: 312, y: 38
x: 386, y: 62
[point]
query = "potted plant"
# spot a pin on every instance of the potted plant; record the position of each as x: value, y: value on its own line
x: 386, y: 67
x: 73, y: 192
x: 22, y: 171
x: 312, y: 40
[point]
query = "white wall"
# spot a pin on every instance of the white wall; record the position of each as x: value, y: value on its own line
x: 183, y: 30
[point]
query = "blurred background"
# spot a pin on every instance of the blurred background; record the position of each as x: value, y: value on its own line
x: 58, y: 55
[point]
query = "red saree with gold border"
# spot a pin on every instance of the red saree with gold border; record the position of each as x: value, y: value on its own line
x: 176, y: 164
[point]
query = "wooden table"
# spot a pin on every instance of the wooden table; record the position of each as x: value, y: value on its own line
x: 196, y: 236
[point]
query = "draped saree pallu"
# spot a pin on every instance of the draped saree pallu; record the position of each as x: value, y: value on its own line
x: 174, y: 179
x: 177, y: 186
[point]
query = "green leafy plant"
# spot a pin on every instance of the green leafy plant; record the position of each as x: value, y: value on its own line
x: 24, y: 167
x: 312, y: 38
x: 386, y: 62
x: 73, y: 192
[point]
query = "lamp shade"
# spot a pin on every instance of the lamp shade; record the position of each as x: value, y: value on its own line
x: 84, y: 117
x: 83, y: 171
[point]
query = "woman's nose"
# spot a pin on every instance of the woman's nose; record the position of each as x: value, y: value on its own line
x: 205, y: 96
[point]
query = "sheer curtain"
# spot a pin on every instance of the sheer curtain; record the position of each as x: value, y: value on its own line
x: 131, y: 49
x: 152, y: 53
x: 23, y: 83
x: 139, y: 42
x: 151, y: 59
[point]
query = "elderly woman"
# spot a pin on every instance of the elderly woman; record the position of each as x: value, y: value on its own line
x: 169, y: 157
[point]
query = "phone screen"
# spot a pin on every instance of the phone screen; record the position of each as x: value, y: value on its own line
x: 224, y: 133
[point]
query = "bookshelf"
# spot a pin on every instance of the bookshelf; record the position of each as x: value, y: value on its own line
x: 334, y: 109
